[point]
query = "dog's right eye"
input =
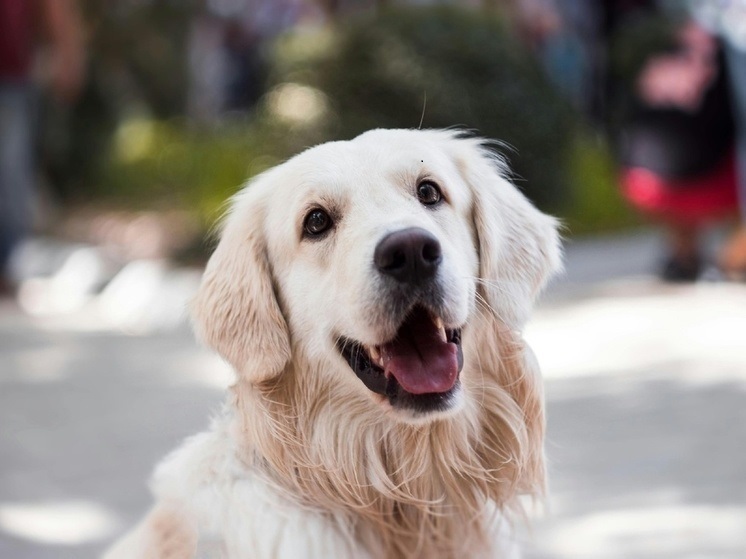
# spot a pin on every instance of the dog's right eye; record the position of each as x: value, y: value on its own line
x: 316, y: 223
x: 428, y: 193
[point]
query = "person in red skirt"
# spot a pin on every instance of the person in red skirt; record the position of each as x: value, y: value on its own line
x: 677, y: 150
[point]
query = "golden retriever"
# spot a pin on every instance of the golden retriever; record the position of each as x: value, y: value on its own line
x: 370, y: 295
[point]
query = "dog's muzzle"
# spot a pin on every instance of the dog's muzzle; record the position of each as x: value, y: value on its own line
x: 418, y: 368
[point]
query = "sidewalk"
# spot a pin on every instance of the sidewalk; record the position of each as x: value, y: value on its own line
x: 645, y: 384
x: 646, y: 393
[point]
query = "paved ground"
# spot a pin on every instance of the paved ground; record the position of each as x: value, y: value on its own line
x: 646, y: 390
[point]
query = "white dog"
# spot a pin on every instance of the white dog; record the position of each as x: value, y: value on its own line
x: 370, y: 296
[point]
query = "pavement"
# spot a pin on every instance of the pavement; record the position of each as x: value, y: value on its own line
x: 645, y: 386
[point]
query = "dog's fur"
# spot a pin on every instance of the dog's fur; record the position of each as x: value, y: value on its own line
x: 305, y: 461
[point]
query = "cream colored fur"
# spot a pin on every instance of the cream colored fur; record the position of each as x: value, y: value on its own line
x: 305, y: 461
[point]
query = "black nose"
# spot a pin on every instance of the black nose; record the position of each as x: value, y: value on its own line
x: 409, y: 256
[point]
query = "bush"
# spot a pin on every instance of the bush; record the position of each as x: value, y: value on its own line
x: 337, y: 82
x: 377, y: 71
x: 175, y: 164
x: 596, y: 201
x: 136, y: 58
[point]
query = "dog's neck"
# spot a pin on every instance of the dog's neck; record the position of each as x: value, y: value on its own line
x: 404, y: 490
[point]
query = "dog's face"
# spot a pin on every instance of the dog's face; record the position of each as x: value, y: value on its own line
x: 375, y: 261
x: 368, y: 258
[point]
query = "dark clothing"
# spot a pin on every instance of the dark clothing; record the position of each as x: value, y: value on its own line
x: 17, y: 35
x: 677, y: 144
x: 618, y: 12
x: 16, y: 39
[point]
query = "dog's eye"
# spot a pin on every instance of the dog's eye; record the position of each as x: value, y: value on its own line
x: 317, y: 222
x: 429, y: 193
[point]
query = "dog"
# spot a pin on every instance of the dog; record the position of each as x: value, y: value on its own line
x: 370, y: 296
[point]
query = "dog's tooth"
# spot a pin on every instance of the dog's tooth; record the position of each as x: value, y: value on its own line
x: 441, y: 328
x: 375, y: 355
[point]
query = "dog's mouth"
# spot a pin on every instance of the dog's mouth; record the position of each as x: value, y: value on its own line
x: 417, y: 369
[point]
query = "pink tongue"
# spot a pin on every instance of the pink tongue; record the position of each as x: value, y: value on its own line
x: 419, y: 359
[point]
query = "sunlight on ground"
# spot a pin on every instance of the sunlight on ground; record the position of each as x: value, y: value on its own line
x: 91, y: 292
x: 201, y: 368
x: 672, y: 531
x: 68, y: 289
x: 620, y: 335
x: 60, y: 523
x: 624, y: 336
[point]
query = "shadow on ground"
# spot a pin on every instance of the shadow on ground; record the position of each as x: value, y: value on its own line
x: 85, y: 417
x: 646, y: 392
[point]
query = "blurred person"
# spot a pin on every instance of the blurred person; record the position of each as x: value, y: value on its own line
x: 562, y: 33
x: 24, y: 26
x: 727, y: 19
x: 227, y: 51
x: 573, y: 40
x: 676, y: 148
x: 242, y: 51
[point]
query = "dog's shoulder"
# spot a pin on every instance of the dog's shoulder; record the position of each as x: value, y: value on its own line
x: 206, y: 479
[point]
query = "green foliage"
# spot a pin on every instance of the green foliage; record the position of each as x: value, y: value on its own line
x: 130, y: 146
x: 184, y: 166
x: 377, y: 72
x: 597, y: 203
x: 142, y: 49
x: 136, y: 59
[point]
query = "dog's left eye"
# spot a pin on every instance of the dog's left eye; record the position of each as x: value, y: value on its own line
x: 428, y: 193
x: 317, y: 222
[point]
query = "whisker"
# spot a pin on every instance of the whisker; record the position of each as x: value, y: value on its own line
x: 480, y: 300
x: 500, y: 286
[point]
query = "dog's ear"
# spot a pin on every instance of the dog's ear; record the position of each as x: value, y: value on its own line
x: 518, y: 246
x: 235, y: 311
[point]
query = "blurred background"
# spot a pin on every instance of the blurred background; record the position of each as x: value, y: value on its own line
x: 124, y: 127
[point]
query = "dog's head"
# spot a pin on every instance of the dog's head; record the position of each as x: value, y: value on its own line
x: 371, y: 259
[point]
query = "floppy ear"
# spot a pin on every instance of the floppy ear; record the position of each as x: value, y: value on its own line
x: 519, y: 247
x: 236, y: 311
